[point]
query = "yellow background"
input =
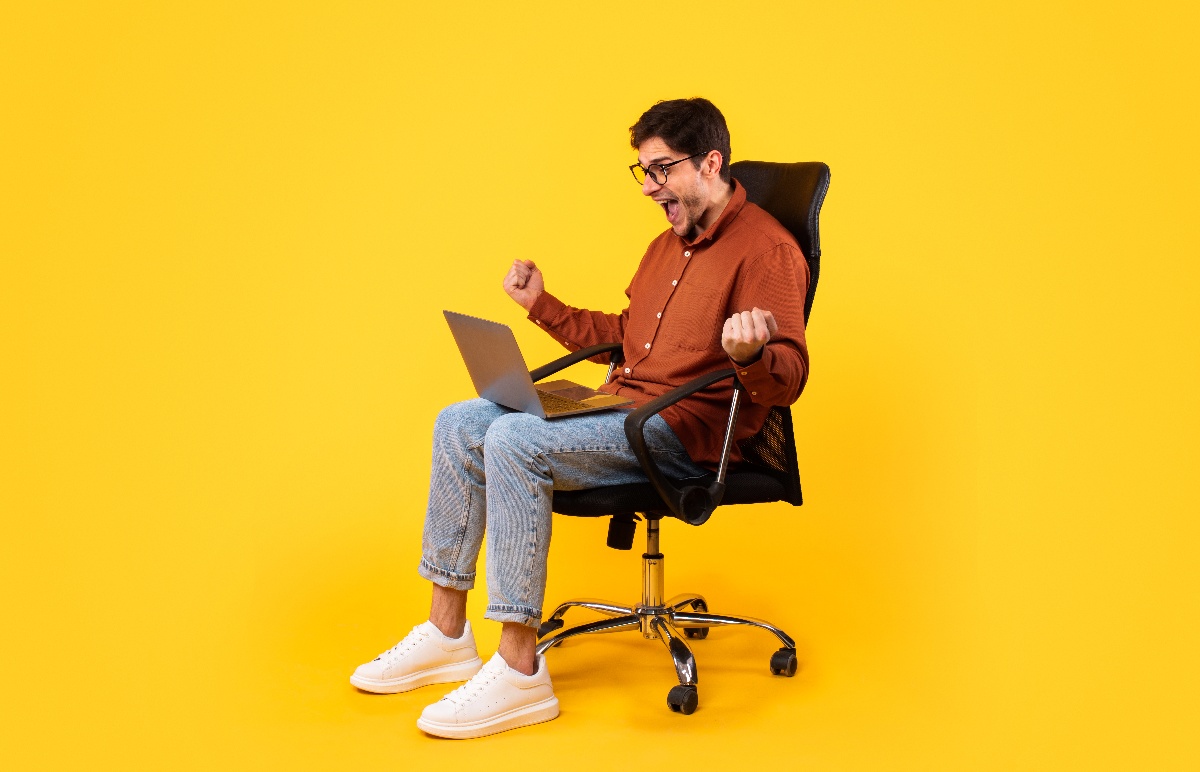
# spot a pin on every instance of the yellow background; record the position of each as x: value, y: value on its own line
x: 228, y: 231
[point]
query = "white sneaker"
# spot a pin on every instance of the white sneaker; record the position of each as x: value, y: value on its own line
x: 425, y: 656
x: 496, y: 699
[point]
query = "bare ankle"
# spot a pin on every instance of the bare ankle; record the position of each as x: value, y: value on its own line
x: 524, y: 668
x: 448, y: 611
x: 450, y: 629
x: 518, y: 644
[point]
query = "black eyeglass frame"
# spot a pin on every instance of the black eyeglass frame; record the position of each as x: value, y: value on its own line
x: 662, y: 167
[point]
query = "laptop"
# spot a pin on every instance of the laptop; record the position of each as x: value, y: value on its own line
x: 490, y: 351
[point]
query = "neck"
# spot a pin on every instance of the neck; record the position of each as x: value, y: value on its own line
x: 716, y: 205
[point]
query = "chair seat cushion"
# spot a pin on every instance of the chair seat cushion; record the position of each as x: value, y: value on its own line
x: 740, y: 488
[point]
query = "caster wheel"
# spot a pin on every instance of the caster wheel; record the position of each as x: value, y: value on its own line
x: 783, y: 662
x: 697, y: 633
x: 549, y: 626
x: 683, y: 699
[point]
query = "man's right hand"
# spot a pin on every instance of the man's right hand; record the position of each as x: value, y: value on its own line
x: 524, y: 283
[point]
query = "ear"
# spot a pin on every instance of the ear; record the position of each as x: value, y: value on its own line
x: 711, y: 167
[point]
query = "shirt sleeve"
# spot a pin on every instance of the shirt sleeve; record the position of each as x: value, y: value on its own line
x: 577, y: 328
x: 776, y: 281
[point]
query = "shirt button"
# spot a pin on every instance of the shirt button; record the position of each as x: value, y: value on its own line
x: 743, y: 372
x: 626, y: 370
x: 687, y: 254
x: 647, y: 345
x: 660, y: 314
x: 674, y: 282
x: 754, y: 394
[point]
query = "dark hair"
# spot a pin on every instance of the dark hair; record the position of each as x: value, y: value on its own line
x: 689, y: 126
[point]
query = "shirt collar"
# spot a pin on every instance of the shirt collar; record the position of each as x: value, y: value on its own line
x: 736, y: 202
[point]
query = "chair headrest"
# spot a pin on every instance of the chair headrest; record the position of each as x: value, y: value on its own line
x: 792, y: 193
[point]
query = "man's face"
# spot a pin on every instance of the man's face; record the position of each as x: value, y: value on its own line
x: 684, y: 196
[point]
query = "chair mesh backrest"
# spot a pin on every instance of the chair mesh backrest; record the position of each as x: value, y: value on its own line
x: 773, y: 450
x: 793, y: 195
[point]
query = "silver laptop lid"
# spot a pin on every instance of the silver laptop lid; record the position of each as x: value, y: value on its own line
x: 494, y: 362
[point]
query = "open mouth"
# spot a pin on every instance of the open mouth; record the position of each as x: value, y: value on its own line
x: 671, y: 208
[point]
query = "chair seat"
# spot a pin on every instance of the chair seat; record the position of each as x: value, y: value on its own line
x: 747, y: 487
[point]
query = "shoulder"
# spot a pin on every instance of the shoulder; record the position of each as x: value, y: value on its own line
x: 761, y: 233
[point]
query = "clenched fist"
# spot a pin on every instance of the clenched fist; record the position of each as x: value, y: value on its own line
x: 524, y: 283
x: 746, y: 333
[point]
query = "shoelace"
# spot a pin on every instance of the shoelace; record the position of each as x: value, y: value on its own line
x: 400, y: 649
x: 470, y: 689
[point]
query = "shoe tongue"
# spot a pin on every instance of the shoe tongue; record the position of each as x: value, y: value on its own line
x: 497, y: 663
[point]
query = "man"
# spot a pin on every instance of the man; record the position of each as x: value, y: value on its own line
x: 724, y: 280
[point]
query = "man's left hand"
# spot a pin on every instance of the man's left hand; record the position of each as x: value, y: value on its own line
x: 746, y: 333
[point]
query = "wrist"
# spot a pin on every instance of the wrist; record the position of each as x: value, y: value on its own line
x: 757, y: 355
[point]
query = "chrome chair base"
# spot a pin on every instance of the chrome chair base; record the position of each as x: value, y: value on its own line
x: 664, y: 621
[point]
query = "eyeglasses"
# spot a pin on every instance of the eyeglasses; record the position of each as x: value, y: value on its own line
x: 658, y: 172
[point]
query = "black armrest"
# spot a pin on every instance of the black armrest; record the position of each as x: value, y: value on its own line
x: 693, y: 504
x: 578, y: 356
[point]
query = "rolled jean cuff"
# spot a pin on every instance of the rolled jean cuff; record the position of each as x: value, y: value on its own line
x: 443, y: 578
x: 522, y: 615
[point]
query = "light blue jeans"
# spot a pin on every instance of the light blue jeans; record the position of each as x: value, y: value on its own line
x: 495, y: 469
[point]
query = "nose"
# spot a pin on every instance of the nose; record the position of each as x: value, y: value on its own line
x: 650, y: 186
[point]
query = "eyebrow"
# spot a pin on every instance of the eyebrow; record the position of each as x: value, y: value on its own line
x: 659, y: 159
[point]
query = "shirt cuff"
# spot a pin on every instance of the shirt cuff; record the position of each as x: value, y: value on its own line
x: 755, y: 376
x: 545, y: 309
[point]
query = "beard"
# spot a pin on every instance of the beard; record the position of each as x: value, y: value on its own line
x: 691, y: 205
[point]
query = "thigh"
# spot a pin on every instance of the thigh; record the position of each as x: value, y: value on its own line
x: 590, y: 450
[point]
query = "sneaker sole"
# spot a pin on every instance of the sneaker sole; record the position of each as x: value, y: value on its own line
x: 513, y: 719
x: 443, y: 674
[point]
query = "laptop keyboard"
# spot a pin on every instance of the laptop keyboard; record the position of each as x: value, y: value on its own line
x: 552, y: 403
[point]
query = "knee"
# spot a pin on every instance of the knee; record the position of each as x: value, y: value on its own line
x: 511, y: 435
x: 464, y: 424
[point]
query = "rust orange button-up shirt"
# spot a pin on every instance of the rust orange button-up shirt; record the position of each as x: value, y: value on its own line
x: 679, y: 299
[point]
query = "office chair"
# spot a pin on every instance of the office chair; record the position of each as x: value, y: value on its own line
x: 793, y: 194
